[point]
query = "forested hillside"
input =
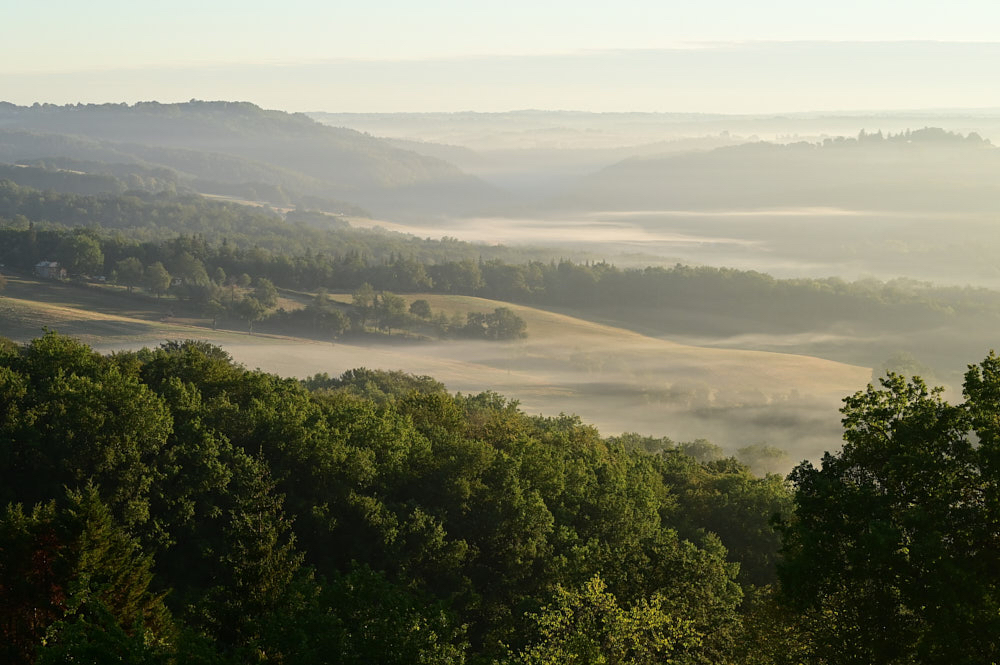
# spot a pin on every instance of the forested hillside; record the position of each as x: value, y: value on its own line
x: 237, y: 148
x: 926, y: 170
x: 170, y: 506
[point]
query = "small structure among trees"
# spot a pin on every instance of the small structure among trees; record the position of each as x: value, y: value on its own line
x: 50, y: 270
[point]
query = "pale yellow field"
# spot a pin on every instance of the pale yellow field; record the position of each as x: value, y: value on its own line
x: 615, y: 379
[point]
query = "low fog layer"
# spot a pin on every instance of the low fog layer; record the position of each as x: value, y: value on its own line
x: 796, y: 196
x: 946, y: 248
x: 615, y: 380
x: 733, y: 398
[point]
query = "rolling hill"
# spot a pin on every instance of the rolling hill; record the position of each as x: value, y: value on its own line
x: 617, y: 379
x: 233, y: 143
x: 928, y: 170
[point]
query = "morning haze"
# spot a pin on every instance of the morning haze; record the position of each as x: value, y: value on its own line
x: 499, y: 333
x: 721, y: 277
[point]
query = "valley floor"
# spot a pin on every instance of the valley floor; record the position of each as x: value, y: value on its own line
x: 616, y: 379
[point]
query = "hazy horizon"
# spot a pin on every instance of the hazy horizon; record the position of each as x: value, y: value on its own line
x: 717, y: 57
x: 748, y: 78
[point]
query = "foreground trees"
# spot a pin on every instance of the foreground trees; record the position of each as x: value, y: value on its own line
x: 170, y: 506
x: 231, y: 516
x: 894, y: 552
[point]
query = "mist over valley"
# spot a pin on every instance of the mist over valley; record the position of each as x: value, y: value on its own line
x: 499, y: 333
x: 862, y: 212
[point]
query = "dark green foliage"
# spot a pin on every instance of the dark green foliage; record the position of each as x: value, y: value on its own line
x: 681, y: 299
x: 129, y: 272
x: 373, y: 516
x: 157, y: 279
x: 62, y: 181
x: 81, y: 253
x: 376, y: 385
x: 723, y: 497
x: 420, y: 308
x: 893, y: 552
x: 77, y: 417
x: 390, y: 311
x: 502, y: 324
x: 251, y: 310
x: 764, y: 459
x: 378, y: 621
x: 265, y: 293
x: 73, y: 577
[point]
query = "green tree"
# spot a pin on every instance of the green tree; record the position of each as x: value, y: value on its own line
x: 501, y: 324
x: 190, y: 269
x: 589, y: 627
x: 75, y: 581
x: 903, y: 363
x: 420, y: 308
x: 130, y: 272
x: 376, y: 621
x: 214, y: 308
x: 363, y: 299
x: 265, y: 293
x: 390, y: 311
x: 891, y: 549
x: 250, y: 310
x: 336, y: 323
x: 702, y: 450
x: 81, y: 254
x: 505, y: 324
x: 764, y: 459
x: 157, y: 279
x: 82, y: 421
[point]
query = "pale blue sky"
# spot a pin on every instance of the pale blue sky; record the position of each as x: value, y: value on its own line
x: 712, y: 55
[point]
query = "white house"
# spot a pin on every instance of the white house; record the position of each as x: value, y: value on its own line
x: 50, y: 270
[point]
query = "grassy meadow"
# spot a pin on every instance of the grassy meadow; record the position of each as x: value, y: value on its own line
x: 616, y: 379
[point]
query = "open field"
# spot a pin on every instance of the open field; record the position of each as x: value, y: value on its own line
x: 615, y: 379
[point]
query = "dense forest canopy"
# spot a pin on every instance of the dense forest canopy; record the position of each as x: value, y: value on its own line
x: 167, y: 505
x: 184, y: 504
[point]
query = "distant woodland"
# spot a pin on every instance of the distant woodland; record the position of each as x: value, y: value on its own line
x: 921, y: 170
x: 239, y: 149
x: 210, y: 245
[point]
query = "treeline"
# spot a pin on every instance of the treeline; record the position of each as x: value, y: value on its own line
x: 170, y: 506
x: 177, y: 269
x: 691, y: 297
x: 151, y: 216
x: 65, y: 175
x: 921, y: 170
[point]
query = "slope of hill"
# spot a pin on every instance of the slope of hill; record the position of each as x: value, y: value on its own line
x: 235, y: 142
x: 617, y: 379
x: 924, y: 170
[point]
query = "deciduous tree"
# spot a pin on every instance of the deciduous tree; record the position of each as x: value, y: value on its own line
x: 894, y: 547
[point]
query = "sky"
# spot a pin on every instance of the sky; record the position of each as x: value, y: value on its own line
x: 724, y: 56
